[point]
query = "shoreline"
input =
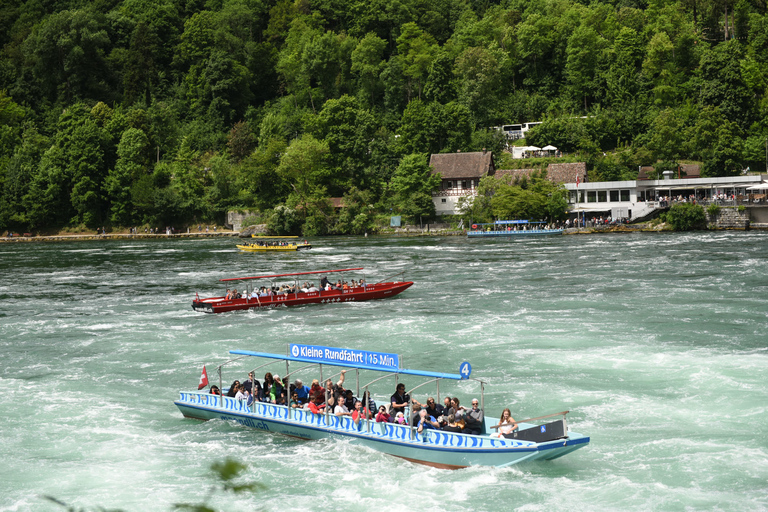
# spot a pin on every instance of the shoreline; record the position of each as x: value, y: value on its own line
x: 404, y: 233
x: 115, y: 236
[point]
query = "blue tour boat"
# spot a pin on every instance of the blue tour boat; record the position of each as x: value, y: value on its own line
x: 531, y: 441
x: 511, y: 228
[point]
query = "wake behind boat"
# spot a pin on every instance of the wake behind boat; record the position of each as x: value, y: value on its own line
x: 296, y: 293
x: 511, y: 228
x: 433, y: 447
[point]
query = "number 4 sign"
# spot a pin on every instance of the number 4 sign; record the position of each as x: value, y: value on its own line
x: 465, y: 369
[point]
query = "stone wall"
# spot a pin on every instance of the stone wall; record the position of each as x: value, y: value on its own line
x: 728, y: 218
x: 235, y: 219
x: 556, y: 173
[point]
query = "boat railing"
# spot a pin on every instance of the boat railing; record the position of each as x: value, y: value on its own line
x: 393, y: 431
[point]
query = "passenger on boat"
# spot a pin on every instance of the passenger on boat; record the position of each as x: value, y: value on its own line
x: 458, y: 409
x: 344, y: 286
x: 253, y: 387
x: 415, y: 415
x: 383, y: 416
x: 399, y: 400
x: 400, y: 419
x: 341, y: 409
x: 506, y: 426
x: 228, y: 296
x: 452, y: 426
x: 368, y: 401
x: 349, y: 400
x: 295, y: 401
x: 267, y: 387
x: 277, y: 391
x: 215, y: 390
x: 317, y: 406
x: 232, y: 391
x: 474, y: 419
x: 324, y: 282
x: 360, y: 412
x: 312, y: 288
x: 426, y: 422
x: 241, y: 394
x: 361, y: 283
x: 353, y: 284
x: 302, y: 391
x: 447, y: 406
x: 316, y: 389
x: 433, y: 409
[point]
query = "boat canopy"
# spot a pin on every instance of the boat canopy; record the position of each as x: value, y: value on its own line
x: 286, y: 275
x: 349, y: 364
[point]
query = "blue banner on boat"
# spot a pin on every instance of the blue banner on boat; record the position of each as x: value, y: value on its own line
x: 342, y: 355
x: 511, y: 222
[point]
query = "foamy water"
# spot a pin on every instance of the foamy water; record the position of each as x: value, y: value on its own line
x: 656, y: 343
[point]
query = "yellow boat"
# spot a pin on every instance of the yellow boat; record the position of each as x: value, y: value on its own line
x: 274, y: 244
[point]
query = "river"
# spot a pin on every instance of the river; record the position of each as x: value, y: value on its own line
x: 656, y: 343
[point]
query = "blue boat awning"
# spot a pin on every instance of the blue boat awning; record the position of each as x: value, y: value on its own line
x: 401, y: 371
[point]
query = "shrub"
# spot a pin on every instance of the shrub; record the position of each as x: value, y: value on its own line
x: 686, y: 216
x: 713, y: 209
x: 741, y: 208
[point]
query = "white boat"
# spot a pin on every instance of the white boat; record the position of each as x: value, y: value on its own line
x: 512, y: 229
x: 532, y: 441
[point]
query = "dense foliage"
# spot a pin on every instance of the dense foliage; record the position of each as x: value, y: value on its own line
x: 686, y: 216
x: 163, y: 112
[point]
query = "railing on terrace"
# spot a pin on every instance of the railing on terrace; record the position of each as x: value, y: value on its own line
x: 456, y: 192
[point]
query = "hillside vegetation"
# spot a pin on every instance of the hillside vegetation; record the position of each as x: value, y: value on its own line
x: 170, y: 112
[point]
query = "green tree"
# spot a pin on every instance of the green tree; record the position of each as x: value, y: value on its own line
x: 367, y: 65
x: 417, y: 50
x: 132, y: 165
x: 412, y: 187
x: 686, y: 217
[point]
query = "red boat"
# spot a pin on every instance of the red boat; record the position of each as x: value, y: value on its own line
x: 249, y: 299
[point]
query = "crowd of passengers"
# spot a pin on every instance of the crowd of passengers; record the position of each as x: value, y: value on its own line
x: 307, y: 287
x: 333, y: 398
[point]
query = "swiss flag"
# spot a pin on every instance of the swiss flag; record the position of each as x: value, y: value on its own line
x: 577, y: 180
x: 203, y: 379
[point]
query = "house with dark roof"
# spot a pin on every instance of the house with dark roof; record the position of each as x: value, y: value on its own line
x: 460, y: 175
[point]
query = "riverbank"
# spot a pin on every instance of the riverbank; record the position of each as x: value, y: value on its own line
x: 116, y: 236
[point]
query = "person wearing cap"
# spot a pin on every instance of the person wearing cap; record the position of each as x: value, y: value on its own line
x: 302, y: 391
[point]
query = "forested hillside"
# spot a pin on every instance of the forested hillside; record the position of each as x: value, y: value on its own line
x: 170, y: 112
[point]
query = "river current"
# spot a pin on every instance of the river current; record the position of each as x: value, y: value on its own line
x: 655, y: 343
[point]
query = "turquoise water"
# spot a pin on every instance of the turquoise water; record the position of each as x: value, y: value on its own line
x: 656, y: 343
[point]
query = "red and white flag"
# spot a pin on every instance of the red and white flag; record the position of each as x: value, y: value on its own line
x: 203, y: 379
x: 577, y: 180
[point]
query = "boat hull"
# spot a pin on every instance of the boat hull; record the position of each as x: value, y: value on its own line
x: 274, y: 248
x: 513, y: 234
x: 434, y: 448
x: 369, y: 292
